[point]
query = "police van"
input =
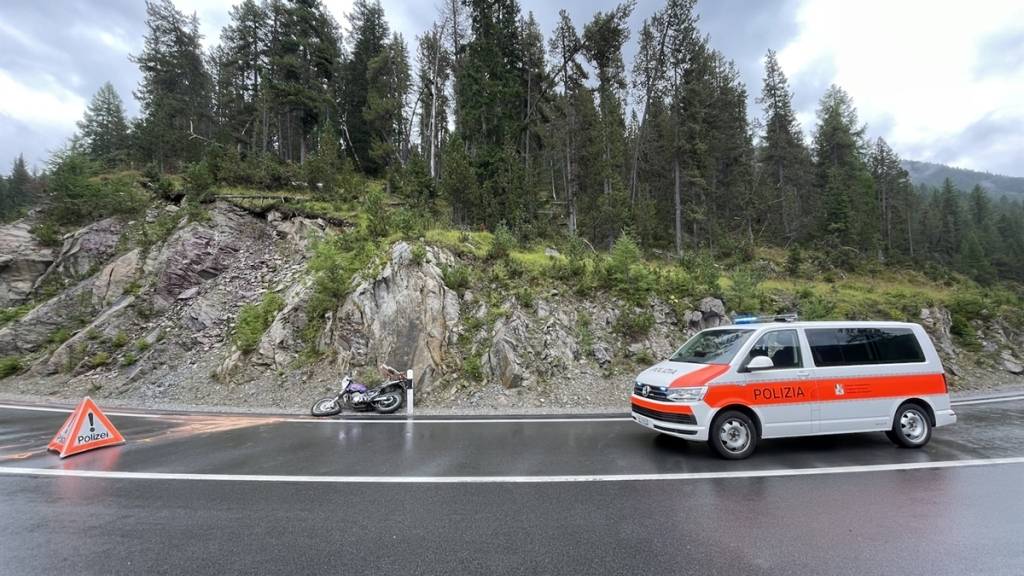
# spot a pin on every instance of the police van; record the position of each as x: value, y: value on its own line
x: 734, y: 385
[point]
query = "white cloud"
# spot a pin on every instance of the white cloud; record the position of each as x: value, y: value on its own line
x: 42, y: 102
x: 912, y: 66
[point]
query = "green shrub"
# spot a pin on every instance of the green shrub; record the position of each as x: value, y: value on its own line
x: 9, y: 366
x: 456, y: 277
x: 378, y: 218
x: 745, y: 294
x: 12, y: 314
x: 59, y: 336
x: 99, y: 359
x: 584, y: 335
x: 633, y: 325
x: 704, y: 272
x: 254, y: 319
x: 48, y: 233
x: 199, y: 182
x: 503, y: 244
x: 129, y: 359
x: 142, y: 345
x: 794, y: 260
x: 119, y: 340
x: 473, y: 368
x: 419, y: 254
x: 644, y: 358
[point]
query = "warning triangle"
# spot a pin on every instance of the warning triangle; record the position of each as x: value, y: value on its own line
x: 85, y: 429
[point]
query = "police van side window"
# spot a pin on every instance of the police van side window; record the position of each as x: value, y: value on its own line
x: 782, y: 346
x: 860, y: 346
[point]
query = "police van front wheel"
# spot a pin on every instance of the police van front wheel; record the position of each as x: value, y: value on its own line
x: 733, y: 435
x: 911, y: 427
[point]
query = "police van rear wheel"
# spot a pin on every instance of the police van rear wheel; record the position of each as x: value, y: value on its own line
x: 911, y: 427
x: 733, y: 435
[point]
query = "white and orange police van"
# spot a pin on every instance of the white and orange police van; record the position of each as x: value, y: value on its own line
x: 734, y: 385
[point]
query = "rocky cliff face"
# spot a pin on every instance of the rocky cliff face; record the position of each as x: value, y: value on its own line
x: 23, y: 260
x: 153, y: 323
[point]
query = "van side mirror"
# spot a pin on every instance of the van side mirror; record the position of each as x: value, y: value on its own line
x: 760, y: 363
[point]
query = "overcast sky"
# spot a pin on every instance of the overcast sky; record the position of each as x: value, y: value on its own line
x: 942, y: 81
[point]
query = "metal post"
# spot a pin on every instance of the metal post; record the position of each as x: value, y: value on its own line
x: 408, y: 393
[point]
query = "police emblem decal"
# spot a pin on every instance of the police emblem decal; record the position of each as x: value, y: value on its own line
x: 839, y: 390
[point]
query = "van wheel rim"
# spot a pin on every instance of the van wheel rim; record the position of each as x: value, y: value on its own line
x: 912, y: 426
x: 734, y: 435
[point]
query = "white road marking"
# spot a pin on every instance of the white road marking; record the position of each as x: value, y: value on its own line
x: 987, y: 400
x: 67, y: 410
x: 777, y: 473
x: 372, y: 420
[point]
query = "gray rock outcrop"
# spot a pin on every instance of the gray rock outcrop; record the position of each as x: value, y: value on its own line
x: 23, y: 260
x: 83, y: 252
x: 405, y: 317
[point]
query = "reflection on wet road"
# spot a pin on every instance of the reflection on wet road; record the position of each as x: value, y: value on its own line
x: 952, y: 521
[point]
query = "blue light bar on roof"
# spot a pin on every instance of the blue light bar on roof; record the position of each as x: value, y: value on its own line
x: 762, y: 319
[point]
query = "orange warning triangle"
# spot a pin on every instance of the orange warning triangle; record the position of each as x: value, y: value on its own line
x: 86, y: 428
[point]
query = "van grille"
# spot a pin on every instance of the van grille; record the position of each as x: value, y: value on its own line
x: 665, y: 416
x: 656, y: 392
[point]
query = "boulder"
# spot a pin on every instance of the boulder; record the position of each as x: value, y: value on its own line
x: 23, y: 260
x: 504, y: 361
x: 710, y: 313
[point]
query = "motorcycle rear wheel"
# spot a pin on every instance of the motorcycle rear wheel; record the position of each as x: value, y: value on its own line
x: 388, y: 402
x: 326, y: 407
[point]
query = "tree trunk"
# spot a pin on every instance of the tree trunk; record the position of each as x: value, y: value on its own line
x: 678, y: 205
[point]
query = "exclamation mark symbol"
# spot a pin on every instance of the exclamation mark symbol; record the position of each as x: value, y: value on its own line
x: 92, y: 425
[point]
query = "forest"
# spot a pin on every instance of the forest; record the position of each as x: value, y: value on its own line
x: 485, y: 121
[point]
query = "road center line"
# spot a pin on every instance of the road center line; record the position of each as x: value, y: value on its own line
x: 371, y: 420
x: 777, y: 473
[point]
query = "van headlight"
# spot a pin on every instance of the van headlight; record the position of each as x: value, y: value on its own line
x: 687, y: 394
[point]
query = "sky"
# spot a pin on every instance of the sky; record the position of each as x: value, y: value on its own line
x: 940, y: 80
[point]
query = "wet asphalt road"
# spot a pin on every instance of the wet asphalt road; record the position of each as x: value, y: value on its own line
x: 926, y: 521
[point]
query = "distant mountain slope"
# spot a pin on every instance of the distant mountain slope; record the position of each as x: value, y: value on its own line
x: 933, y: 175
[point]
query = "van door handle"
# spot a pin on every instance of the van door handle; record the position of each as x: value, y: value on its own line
x: 803, y: 373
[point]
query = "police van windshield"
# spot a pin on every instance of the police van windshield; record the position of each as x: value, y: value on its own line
x: 712, y: 346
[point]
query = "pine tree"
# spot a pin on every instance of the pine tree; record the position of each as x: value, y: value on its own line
x: 174, y: 93
x: 104, y: 128
x: 305, y: 57
x: 241, y: 67
x: 16, y: 191
x: 785, y: 162
x: 891, y: 180
x: 384, y: 115
x: 368, y: 39
x: 841, y: 172
x: 603, y: 39
x: 565, y: 47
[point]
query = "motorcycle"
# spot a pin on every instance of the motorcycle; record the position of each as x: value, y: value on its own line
x: 386, y: 398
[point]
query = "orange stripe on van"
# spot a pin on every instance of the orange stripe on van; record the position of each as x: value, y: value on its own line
x: 825, y: 390
x: 700, y: 376
x: 661, y: 406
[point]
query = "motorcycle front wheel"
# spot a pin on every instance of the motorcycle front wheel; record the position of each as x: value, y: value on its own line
x: 388, y: 402
x: 326, y: 407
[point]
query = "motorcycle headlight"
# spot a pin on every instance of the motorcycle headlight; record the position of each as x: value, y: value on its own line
x: 687, y: 394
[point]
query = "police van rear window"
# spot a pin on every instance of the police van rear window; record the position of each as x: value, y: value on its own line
x: 859, y: 346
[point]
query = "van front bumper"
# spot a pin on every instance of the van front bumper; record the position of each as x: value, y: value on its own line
x: 669, y: 423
